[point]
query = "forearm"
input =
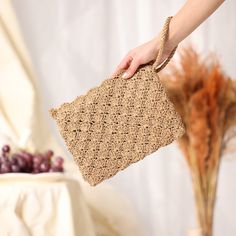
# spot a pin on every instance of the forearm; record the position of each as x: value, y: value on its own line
x: 189, y: 17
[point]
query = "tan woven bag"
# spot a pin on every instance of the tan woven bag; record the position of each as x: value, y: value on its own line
x: 120, y: 122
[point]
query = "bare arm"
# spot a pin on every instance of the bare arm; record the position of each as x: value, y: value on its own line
x: 189, y: 17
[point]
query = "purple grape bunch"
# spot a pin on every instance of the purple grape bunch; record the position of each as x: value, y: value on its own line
x: 26, y: 162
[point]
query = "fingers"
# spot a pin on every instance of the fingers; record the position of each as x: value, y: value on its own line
x: 129, y: 64
x: 125, y: 63
x: 131, y: 69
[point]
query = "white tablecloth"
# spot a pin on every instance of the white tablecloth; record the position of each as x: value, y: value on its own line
x: 43, y: 205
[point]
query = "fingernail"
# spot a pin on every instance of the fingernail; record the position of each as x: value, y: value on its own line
x: 125, y: 75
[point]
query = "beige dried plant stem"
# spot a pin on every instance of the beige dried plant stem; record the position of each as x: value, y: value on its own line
x: 206, y: 99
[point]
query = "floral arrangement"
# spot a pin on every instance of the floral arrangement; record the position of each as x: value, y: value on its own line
x: 206, y: 99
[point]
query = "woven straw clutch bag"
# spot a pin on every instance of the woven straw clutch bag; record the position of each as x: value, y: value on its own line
x: 120, y: 122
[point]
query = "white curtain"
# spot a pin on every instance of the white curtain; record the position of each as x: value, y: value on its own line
x: 74, y: 45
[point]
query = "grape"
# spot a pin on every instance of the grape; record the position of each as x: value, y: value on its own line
x: 27, y: 156
x: 24, y: 161
x: 22, y: 164
x: 29, y: 160
x: 56, y: 169
x: 58, y: 162
x: 6, y: 149
x: 38, y: 158
x: 36, y: 165
x: 4, y: 159
x: 14, y: 160
x: 45, y: 166
x: 15, y: 168
x: 5, y: 167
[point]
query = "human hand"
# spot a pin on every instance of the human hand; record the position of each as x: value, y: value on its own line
x: 183, y: 23
x: 140, y: 55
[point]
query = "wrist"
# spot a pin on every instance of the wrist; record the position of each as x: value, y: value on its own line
x: 169, y: 45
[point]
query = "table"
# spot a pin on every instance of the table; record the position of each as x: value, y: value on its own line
x: 48, y: 204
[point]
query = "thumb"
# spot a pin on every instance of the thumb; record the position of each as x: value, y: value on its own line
x: 131, y: 69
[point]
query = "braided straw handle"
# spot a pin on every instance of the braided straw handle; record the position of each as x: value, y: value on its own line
x: 164, y: 38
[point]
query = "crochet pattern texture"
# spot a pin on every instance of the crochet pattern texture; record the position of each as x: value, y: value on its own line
x: 118, y: 123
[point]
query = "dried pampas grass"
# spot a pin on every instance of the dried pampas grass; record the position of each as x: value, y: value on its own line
x: 206, y: 99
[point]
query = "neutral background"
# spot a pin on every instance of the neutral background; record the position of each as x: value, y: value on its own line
x: 75, y: 44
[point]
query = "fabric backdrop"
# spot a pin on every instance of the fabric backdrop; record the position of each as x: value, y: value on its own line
x: 100, y: 211
x: 75, y: 44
